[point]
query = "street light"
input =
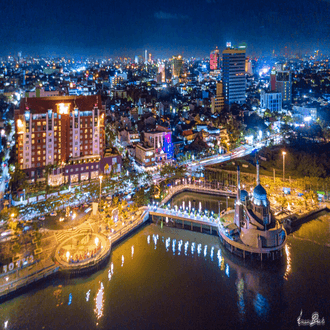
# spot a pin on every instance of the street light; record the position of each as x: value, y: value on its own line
x: 100, y: 177
x: 283, y: 153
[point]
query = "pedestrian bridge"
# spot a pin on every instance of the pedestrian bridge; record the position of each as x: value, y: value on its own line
x: 204, y: 187
x: 184, y: 219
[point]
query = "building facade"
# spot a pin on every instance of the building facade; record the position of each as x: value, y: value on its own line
x: 215, y: 60
x: 233, y: 75
x: 218, y: 101
x: 53, y: 132
x: 271, y: 101
x: 177, y: 62
x: 284, y: 86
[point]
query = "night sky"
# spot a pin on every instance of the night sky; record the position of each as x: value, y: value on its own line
x: 189, y: 27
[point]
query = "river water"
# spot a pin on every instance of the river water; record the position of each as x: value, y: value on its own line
x: 167, y: 278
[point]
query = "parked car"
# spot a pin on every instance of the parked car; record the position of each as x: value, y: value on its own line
x: 42, y: 218
x: 53, y: 214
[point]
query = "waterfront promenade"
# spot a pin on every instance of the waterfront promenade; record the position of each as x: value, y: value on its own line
x: 206, y: 188
x: 20, y: 278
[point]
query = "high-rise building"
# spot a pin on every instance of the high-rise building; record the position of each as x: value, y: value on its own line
x: 233, y: 75
x: 177, y: 62
x: 273, y: 80
x: 248, y: 66
x: 218, y: 101
x: 271, y: 101
x: 215, y: 59
x: 145, y: 56
x: 65, y: 133
x: 281, y: 82
x: 284, y: 86
x: 161, y: 72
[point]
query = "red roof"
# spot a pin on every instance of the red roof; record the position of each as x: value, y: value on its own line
x: 187, y: 132
x: 42, y: 104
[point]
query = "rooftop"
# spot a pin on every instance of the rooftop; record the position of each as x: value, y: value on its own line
x: 42, y: 104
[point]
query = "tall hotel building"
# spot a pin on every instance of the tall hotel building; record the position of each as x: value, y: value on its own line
x: 65, y: 133
x: 215, y: 60
x: 233, y: 75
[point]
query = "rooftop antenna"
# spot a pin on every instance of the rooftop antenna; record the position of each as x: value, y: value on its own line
x: 258, y: 178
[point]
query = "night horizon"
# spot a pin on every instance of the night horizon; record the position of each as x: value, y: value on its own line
x: 192, y: 29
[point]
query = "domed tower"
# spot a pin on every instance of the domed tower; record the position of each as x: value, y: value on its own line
x: 260, y: 203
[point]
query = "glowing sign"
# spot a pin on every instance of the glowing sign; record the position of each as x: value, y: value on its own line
x: 63, y: 108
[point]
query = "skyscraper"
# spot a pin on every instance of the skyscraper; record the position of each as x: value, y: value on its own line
x: 281, y: 82
x: 284, y: 85
x: 177, y: 62
x: 233, y: 75
x: 161, y: 72
x: 145, y: 56
x: 217, y: 102
x: 215, y: 59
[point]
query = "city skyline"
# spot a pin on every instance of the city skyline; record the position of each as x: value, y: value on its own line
x: 191, y: 29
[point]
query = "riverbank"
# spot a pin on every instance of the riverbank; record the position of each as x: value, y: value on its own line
x: 17, y: 280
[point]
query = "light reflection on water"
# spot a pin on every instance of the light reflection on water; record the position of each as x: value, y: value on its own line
x: 288, y: 261
x: 99, y: 302
x: 197, y: 266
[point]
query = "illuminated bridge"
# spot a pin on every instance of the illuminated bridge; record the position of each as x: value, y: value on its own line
x: 186, y: 219
x: 203, y: 187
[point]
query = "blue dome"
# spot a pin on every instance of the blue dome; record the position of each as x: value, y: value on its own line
x: 260, y: 193
x: 244, y: 194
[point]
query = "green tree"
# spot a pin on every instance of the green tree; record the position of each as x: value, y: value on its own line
x: 18, y: 178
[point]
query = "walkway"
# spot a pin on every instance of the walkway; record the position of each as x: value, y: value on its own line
x: 21, y: 278
x: 198, y: 187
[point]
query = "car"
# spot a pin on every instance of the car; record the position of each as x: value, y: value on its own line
x: 42, y: 218
x: 53, y: 214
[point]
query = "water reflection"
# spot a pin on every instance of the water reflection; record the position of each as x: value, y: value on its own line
x: 192, y: 248
x: 288, y: 261
x: 240, y: 294
x: 179, y: 246
x: 70, y: 299
x: 88, y: 293
x: 261, y: 305
x: 173, y: 246
x: 99, y: 302
x: 227, y: 270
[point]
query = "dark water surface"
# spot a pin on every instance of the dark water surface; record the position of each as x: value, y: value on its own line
x: 174, y: 279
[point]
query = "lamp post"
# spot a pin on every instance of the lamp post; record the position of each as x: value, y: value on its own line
x: 283, y: 153
x: 100, y: 177
x: 219, y: 203
x: 227, y: 202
